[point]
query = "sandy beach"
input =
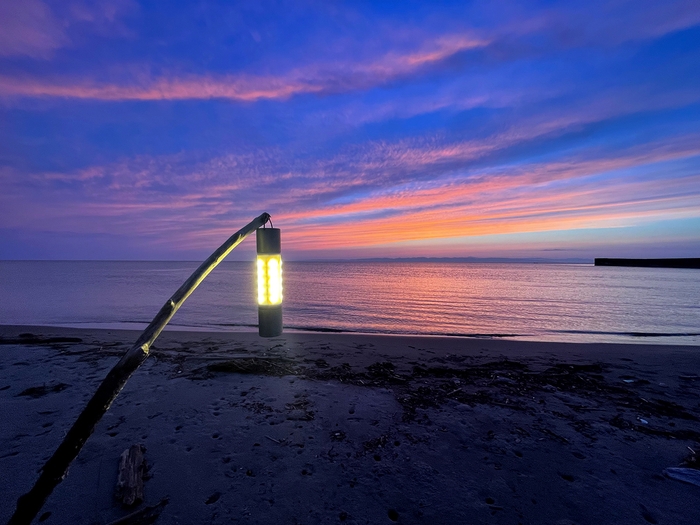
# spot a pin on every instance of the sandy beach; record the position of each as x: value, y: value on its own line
x: 331, y: 428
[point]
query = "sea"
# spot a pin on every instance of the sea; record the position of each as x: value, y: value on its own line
x: 523, y: 301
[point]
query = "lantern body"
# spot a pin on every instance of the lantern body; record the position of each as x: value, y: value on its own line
x: 269, y: 269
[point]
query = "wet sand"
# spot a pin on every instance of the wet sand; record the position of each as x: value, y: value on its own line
x: 344, y: 428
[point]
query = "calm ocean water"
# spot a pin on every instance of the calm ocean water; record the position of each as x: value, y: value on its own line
x: 554, y: 302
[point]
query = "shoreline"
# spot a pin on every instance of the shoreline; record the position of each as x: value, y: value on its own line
x: 326, y: 427
x: 556, y: 337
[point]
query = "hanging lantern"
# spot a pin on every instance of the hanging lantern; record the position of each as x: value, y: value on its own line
x: 269, y: 265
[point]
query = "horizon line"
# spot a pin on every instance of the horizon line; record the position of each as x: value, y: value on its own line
x: 569, y: 260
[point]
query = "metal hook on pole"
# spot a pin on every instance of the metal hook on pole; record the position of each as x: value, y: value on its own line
x: 56, y: 468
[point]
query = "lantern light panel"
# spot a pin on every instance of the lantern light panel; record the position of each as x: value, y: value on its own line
x: 269, y: 280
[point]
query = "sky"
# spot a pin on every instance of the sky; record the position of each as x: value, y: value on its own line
x: 154, y: 130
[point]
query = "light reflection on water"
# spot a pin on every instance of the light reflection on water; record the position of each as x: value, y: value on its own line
x: 527, y: 301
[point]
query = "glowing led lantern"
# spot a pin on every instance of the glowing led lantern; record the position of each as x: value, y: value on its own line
x: 269, y: 265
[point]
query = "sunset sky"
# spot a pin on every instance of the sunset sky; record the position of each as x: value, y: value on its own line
x: 154, y: 130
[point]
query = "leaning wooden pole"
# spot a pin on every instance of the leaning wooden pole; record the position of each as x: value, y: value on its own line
x: 56, y: 468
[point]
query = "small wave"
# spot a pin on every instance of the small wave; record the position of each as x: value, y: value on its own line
x: 629, y: 334
x: 132, y: 324
x: 323, y: 329
x: 320, y: 329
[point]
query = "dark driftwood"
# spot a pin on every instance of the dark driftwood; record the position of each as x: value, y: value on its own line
x: 132, y: 467
x: 56, y: 467
x: 144, y: 516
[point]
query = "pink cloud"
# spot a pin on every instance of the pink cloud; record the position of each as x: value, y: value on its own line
x: 599, y: 23
x: 31, y: 28
x: 35, y: 31
x: 209, y: 202
x: 317, y: 78
x: 554, y: 196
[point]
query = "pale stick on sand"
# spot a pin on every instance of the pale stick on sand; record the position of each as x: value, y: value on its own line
x: 55, y: 469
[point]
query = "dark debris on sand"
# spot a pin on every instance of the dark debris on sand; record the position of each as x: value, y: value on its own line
x: 35, y: 340
x: 504, y: 383
x: 256, y: 366
x: 42, y: 390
